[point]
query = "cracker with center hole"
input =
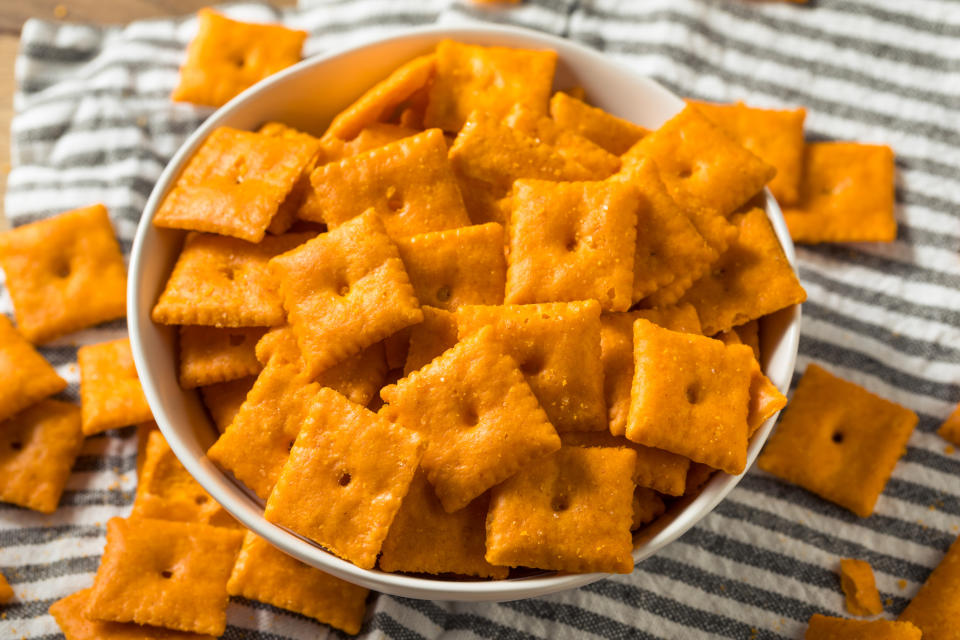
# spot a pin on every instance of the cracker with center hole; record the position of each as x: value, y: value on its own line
x: 210, y: 354
x: 235, y: 183
x: 478, y: 416
x: 345, y: 479
x: 224, y: 399
x: 267, y: 422
x: 647, y: 507
x: 950, y: 429
x: 344, y: 291
x: 752, y: 279
x: 569, y: 511
x: 409, y: 183
x: 227, y: 56
x: 572, y: 241
x: 424, y: 538
x: 859, y: 588
x: 765, y: 400
x: 846, y: 195
x: 27, y: 376
x: 6, y: 591
x: 822, y: 627
x: 838, y: 440
x: 616, y: 354
x: 614, y: 134
x: 430, y: 338
x: 165, y: 491
x: 690, y: 396
x: 774, y: 135
x: 670, y: 252
x: 488, y: 79
x: 557, y: 346
x: 110, y: 391
x: 286, y: 213
x: 224, y: 282
x: 461, y: 266
x: 572, y: 146
x: 359, y: 377
x: 164, y: 573
x: 379, y: 101
x: 64, y: 273
x: 70, y: 615
x: 935, y: 607
x: 266, y: 574
x: 656, y: 469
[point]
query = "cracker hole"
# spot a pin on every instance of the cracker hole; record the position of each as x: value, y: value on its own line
x: 228, y: 273
x: 166, y: 574
x: 560, y: 503
x: 685, y: 173
x: 470, y: 417
x: 344, y: 480
x: 200, y: 500
x: 693, y: 393
x: 61, y: 269
x: 443, y: 294
x: 611, y: 293
x: 837, y: 437
x: 237, y: 339
x: 394, y: 199
x: 571, y: 244
x: 531, y: 366
x: 343, y: 290
x: 16, y: 446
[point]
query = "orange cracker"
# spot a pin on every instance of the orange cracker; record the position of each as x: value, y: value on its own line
x: 359, y: 377
x: 616, y: 354
x: 461, y: 266
x: 487, y: 79
x: 935, y: 607
x: 110, y: 391
x: 64, y: 273
x: 690, y: 396
x: 765, y: 401
x: 224, y: 399
x: 224, y: 282
x: 266, y: 574
x: 558, y: 349
x: 266, y: 423
x: 838, y: 440
x: 344, y: 291
x: 647, y: 507
x: 859, y: 588
x: 846, y: 195
x: 235, y: 183
x: 424, y: 538
x: 164, y: 573
x: 950, y: 429
x: 752, y: 279
x: 70, y: 615
x: 572, y: 146
x: 27, y: 377
x: 477, y: 414
x: 430, y: 338
x: 166, y: 491
x: 487, y: 149
x: 774, y: 135
x: 572, y: 241
x: 379, y: 101
x: 226, y: 57
x: 656, y: 469
x: 209, y: 354
x: 614, y: 134
x: 6, y: 591
x: 670, y: 252
x: 409, y: 183
x: 569, y: 511
x: 347, y: 474
x: 822, y: 627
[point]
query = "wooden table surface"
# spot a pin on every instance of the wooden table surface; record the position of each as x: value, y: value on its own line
x: 13, y: 13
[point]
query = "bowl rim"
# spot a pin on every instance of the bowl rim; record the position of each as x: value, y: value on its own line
x: 232, y: 496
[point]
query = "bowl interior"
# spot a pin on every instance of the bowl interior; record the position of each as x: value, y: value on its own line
x: 307, y: 96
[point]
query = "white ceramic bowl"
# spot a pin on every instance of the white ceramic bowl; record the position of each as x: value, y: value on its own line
x: 307, y: 96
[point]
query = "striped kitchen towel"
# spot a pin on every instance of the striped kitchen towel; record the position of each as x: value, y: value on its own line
x: 94, y: 124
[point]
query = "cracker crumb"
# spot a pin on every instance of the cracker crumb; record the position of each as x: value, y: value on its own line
x: 60, y: 11
x: 902, y: 584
